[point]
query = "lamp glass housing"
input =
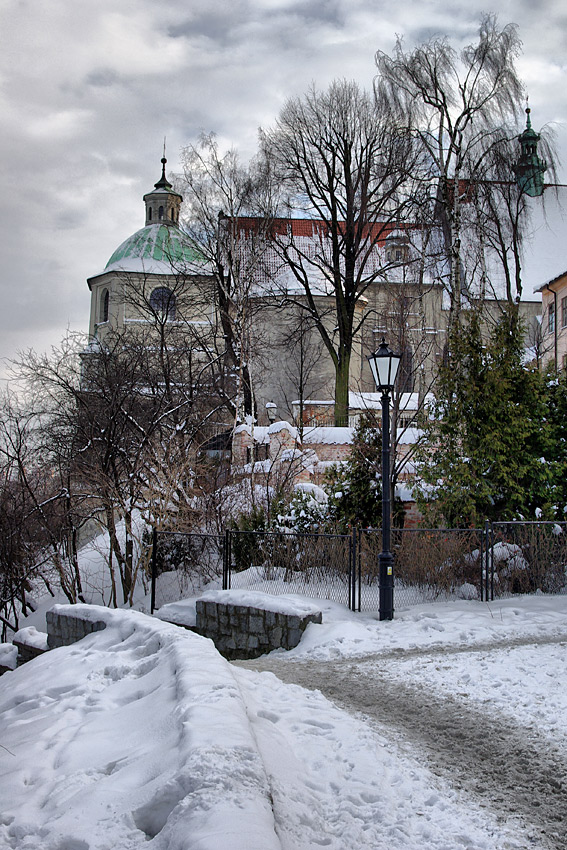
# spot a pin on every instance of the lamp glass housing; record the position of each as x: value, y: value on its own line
x: 384, y: 365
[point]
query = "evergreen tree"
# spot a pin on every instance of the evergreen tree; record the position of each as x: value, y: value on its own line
x: 488, y: 437
x: 354, y: 487
x: 556, y: 455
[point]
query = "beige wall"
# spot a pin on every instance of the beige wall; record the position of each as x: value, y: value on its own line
x: 405, y: 313
x: 554, y: 323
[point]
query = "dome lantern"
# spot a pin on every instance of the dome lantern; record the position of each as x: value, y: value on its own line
x: 163, y: 203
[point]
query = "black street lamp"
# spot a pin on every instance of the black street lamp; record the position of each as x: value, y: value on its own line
x: 384, y: 365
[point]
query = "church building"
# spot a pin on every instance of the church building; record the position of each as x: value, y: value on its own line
x: 158, y: 274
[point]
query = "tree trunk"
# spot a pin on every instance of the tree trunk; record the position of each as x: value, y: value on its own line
x: 341, y: 389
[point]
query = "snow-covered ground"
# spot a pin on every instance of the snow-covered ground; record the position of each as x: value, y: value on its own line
x: 143, y: 736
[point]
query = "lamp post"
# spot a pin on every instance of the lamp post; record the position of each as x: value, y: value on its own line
x: 271, y: 411
x: 384, y: 365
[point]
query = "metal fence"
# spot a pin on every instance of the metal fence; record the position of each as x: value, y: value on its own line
x: 526, y: 557
x: 499, y: 560
x: 181, y: 563
x: 430, y: 564
x: 317, y: 565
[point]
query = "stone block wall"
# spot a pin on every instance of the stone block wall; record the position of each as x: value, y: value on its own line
x: 65, y: 629
x: 242, y: 631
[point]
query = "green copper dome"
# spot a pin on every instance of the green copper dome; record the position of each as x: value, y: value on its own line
x: 156, y: 248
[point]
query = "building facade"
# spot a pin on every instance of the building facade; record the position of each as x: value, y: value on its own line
x: 157, y: 277
x: 553, y: 341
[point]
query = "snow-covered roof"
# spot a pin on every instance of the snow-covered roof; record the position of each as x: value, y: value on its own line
x: 372, y: 401
x: 549, y: 282
x: 328, y: 435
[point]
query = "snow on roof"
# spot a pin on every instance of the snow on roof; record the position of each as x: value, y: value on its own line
x: 549, y: 282
x: 328, y: 435
x: 8, y: 655
x: 325, y: 401
x: 373, y: 401
x: 369, y: 401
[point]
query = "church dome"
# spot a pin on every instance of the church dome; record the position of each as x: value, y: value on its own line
x: 155, y: 249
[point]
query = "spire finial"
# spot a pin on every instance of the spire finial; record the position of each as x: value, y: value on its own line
x: 528, y: 110
x: 163, y: 164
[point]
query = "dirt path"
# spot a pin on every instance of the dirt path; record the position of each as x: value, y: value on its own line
x: 513, y: 771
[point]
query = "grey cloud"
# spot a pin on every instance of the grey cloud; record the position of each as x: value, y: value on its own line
x: 102, y: 78
x: 76, y: 196
x: 71, y: 219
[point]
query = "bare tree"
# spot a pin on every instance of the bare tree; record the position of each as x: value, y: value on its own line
x: 463, y: 108
x: 302, y: 376
x: 345, y: 166
x: 39, y: 512
x: 126, y: 420
x: 223, y: 199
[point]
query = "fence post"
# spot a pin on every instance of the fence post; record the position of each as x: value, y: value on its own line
x: 352, y: 571
x: 226, y: 560
x: 487, y: 564
x: 491, y: 584
x: 359, y: 567
x: 154, y: 570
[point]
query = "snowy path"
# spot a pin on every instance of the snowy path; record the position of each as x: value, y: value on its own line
x: 513, y: 770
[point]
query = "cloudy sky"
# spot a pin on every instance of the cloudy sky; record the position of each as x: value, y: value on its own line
x: 89, y: 89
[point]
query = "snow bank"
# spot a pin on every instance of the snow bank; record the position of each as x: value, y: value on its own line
x: 136, y: 733
x: 8, y: 655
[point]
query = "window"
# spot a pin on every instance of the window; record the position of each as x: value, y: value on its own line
x: 149, y: 213
x: 551, y: 317
x: 160, y: 213
x: 162, y: 302
x: 104, y: 302
x: 564, y: 312
x: 399, y: 254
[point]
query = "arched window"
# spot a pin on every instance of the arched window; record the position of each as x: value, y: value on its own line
x: 149, y: 213
x: 162, y: 302
x: 160, y: 213
x: 104, y: 302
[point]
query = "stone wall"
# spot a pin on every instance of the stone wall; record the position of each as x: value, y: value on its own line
x: 237, y: 630
x: 65, y: 629
x: 243, y: 631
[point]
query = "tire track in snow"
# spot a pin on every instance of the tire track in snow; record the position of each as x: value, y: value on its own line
x: 514, y: 771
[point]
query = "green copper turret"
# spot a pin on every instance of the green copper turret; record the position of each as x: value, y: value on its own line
x: 530, y: 168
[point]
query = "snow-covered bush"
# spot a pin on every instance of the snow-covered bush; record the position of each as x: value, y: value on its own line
x: 305, y: 512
